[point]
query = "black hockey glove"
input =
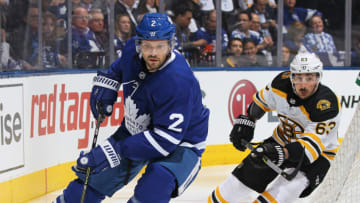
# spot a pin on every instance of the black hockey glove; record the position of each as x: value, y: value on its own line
x: 243, y: 130
x: 273, y: 151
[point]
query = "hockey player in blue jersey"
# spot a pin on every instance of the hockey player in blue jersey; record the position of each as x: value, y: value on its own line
x: 165, y: 124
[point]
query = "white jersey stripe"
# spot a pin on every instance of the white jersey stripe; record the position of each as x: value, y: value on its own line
x: 166, y: 136
x: 200, y: 145
x: 155, y: 144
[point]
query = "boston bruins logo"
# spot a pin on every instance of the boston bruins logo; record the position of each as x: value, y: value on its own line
x: 323, y: 105
x: 289, y: 127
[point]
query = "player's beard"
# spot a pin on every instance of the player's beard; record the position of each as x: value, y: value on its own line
x: 154, y: 63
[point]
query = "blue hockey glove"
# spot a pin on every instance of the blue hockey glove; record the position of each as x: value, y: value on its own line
x: 243, y: 129
x: 104, y: 91
x: 102, y: 157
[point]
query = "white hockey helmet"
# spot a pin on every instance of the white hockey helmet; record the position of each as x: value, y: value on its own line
x: 306, y: 62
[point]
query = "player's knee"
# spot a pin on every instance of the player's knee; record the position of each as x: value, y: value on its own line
x: 72, y: 194
x: 156, y: 185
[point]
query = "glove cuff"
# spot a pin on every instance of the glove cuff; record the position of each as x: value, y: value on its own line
x: 112, y: 157
x: 246, y: 122
x: 103, y: 81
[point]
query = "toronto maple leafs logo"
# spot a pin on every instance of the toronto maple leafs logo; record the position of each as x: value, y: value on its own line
x: 135, y: 123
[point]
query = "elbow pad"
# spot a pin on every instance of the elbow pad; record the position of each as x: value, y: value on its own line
x: 255, y: 112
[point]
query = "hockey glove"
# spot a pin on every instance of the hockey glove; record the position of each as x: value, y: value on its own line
x: 243, y: 129
x: 105, y: 90
x: 102, y: 157
x: 273, y: 151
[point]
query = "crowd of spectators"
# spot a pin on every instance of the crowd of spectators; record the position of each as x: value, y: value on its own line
x: 33, y: 39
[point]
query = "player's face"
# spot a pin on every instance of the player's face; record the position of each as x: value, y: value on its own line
x: 305, y: 84
x: 154, y: 53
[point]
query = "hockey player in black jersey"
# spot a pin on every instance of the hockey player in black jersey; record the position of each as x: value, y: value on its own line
x: 309, y: 115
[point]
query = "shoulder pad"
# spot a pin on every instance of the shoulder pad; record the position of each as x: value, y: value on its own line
x: 282, y: 82
x: 323, y: 105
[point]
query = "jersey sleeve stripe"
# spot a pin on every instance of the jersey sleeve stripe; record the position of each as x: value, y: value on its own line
x: 218, y: 195
x: 166, y: 136
x: 260, y: 104
x: 155, y: 144
x: 262, y: 95
x: 278, y: 138
x: 313, y: 144
x: 332, y: 150
x: 279, y: 93
x: 199, y: 146
x: 303, y: 110
x: 315, y: 139
x: 268, y: 196
x: 328, y: 156
x: 309, y: 151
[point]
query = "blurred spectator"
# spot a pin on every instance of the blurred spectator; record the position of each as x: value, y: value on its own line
x: 83, y: 41
x: 295, y: 36
x: 243, y: 30
x: 235, y: 57
x: 128, y: 7
x: 182, y: 18
x: 198, y: 16
x: 146, y: 6
x: 265, y: 36
x: 122, y: 32
x: 245, y: 4
x: 209, y: 34
x: 321, y: 43
x: 22, y: 37
x: 355, y: 56
x: 17, y: 12
x: 251, y: 56
x: 96, y: 24
x: 51, y: 57
x: 267, y: 16
x: 292, y: 13
x: 286, y: 57
x: 87, y: 4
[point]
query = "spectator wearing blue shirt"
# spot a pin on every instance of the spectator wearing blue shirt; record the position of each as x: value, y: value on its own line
x: 292, y: 13
x: 321, y: 43
x: 83, y: 39
x: 122, y: 32
x: 209, y: 32
x: 243, y: 31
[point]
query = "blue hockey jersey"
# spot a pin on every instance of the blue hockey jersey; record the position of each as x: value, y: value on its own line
x: 163, y: 109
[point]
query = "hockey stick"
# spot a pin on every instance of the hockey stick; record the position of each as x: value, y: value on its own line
x: 277, y: 169
x: 100, y: 119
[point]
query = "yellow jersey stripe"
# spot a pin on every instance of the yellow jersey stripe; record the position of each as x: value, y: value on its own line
x: 309, y: 148
x: 269, y: 197
x: 218, y: 195
x: 277, y: 138
x: 328, y: 156
x: 279, y: 93
x: 262, y: 95
x: 260, y: 104
x: 333, y: 150
x: 316, y: 139
x: 302, y: 108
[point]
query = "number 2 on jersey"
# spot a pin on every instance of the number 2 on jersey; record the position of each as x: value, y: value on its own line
x: 179, y: 118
